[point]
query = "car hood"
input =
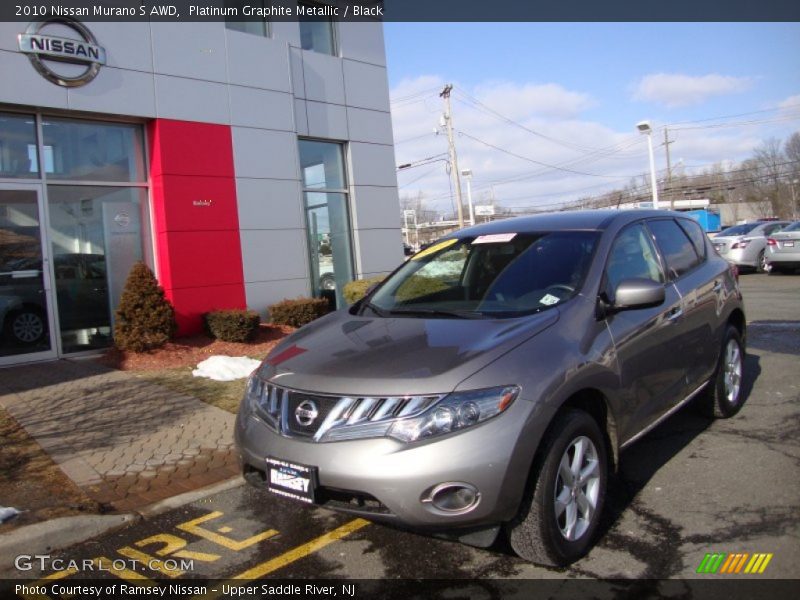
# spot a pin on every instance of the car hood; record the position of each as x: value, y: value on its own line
x: 348, y: 355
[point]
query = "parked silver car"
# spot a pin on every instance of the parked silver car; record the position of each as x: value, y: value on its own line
x: 745, y: 245
x: 783, y: 249
x: 492, y: 380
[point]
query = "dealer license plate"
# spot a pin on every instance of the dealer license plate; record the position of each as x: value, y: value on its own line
x: 788, y: 244
x: 291, y: 480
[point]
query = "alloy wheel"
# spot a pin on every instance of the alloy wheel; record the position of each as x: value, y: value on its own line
x: 577, y: 488
x: 733, y: 371
x: 28, y: 327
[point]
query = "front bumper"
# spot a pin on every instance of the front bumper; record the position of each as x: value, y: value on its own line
x: 383, y: 479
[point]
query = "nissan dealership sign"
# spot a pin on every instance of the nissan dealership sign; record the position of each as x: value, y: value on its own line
x: 63, y: 51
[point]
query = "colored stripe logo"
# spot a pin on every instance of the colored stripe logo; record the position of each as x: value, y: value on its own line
x: 730, y: 564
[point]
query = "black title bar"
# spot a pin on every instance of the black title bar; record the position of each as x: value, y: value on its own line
x: 407, y: 10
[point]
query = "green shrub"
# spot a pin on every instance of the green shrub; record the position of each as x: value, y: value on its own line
x: 355, y: 290
x: 418, y: 287
x: 297, y: 312
x: 233, y: 325
x: 145, y: 318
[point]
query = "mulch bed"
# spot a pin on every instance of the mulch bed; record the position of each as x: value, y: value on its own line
x: 188, y: 351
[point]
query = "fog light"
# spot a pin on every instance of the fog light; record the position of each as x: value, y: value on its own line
x: 453, y: 497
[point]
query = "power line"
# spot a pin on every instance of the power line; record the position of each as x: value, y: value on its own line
x: 480, y: 105
x: 536, y: 162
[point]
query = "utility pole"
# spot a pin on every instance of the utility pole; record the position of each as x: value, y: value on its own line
x: 448, y: 120
x: 667, y: 142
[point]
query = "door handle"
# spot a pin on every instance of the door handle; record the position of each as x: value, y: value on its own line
x: 675, y: 313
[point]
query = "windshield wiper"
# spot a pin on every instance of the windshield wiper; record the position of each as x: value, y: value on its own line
x: 376, y: 309
x: 437, y: 312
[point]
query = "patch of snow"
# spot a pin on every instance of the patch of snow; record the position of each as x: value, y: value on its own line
x: 225, y: 368
x: 7, y: 512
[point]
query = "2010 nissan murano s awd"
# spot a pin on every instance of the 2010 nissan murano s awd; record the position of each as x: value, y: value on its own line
x: 491, y: 381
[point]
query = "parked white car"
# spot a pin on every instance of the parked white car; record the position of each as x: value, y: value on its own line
x: 745, y: 245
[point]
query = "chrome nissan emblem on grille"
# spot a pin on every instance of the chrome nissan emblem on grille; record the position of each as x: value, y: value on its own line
x: 306, y: 413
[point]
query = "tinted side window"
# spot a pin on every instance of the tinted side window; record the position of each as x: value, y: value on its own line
x: 696, y: 234
x: 675, y: 246
x: 632, y: 256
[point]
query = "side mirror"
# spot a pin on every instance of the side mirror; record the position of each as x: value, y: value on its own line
x: 637, y: 293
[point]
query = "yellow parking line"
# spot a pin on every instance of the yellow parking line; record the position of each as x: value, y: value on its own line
x: 290, y: 556
x: 302, y: 551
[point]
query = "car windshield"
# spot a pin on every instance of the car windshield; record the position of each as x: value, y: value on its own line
x: 742, y: 229
x: 489, y: 276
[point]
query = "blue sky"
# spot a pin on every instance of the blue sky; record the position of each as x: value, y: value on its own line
x: 587, y: 84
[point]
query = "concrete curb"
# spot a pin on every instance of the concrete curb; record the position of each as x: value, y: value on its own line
x: 45, y: 537
x: 49, y: 536
x: 183, y: 499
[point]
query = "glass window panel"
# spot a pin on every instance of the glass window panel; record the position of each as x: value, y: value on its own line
x: 322, y: 165
x: 23, y: 300
x: 329, y: 244
x: 677, y: 250
x: 316, y: 33
x: 18, y: 154
x: 252, y: 25
x: 97, y: 234
x: 92, y: 151
x: 632, y: 256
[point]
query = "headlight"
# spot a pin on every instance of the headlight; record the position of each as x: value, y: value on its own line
x: 455, y: 412
x: 254, y: 391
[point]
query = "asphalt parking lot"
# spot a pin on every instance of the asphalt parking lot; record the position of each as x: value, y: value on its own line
x: 691, y: 487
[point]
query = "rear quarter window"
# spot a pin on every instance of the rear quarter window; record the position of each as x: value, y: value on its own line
x: 676, y: 247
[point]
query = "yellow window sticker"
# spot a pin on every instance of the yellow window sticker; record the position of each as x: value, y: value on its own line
x: 433, y: 249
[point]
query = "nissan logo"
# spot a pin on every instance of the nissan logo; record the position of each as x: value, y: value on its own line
x: 306, y: 412
x: 56, y: 48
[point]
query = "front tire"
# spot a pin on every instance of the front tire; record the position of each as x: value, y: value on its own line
x: 26, y: 326
x: 723, y: 396
x: 559, y: 517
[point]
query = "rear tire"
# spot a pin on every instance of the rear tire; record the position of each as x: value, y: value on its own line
x: 723, y: 397
x: 761, y: 263
x: 558, y: 519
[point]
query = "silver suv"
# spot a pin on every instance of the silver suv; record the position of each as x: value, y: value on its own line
x: 491, y: 381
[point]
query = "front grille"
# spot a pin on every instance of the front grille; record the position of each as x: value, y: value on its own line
x: 318, y: 417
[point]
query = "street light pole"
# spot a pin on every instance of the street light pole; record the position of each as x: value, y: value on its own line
x: 644, y: 128
x: 468, y: 174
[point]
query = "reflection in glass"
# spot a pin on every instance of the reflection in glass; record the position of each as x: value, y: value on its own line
x: 316, y: 33
x: 23, y: 300
x: 252, y: 25
x: 96, y: 235
x: 92, y: 151
x: 326, y: 202
x: 18, y: 154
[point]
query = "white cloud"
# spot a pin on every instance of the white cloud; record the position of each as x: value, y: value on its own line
x: 790, y: 102
x: 546, y: 100
x: 563, y: 137
x: 675, y: 90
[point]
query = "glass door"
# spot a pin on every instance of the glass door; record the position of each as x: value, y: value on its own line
x: 26, y: 319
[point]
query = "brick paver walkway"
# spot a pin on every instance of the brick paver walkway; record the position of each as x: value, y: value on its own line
x: 125, y: 441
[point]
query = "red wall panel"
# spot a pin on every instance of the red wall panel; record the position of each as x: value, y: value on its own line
x: 195, y: 218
